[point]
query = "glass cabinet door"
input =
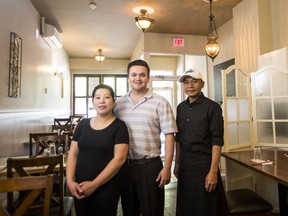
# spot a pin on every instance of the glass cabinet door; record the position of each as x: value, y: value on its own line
x: 236, y: 108
x: 270, y: 105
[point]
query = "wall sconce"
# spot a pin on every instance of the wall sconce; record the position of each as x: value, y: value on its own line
x: 143, y: 21
x: 99, y: 56
x: 61, y: 76
x: 58, y: 74
x: 212, y: 47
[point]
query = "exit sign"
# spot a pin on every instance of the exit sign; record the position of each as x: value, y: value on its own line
x: 178, y: 42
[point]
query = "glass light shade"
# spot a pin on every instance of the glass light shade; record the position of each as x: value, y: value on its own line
x: 143, y: 22
x: 92, y: 5
x: 212, y: 48
x: 99, y: 58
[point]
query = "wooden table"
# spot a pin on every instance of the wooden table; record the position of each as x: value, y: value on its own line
x: 32, y: 170
x: 278, y: 171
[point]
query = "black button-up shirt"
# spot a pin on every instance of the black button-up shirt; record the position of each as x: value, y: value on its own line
x: 200, y: 125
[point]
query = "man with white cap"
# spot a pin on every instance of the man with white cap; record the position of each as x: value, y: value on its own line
x: 199, y: 142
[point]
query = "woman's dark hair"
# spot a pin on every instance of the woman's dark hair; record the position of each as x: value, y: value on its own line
x: 139, y: 62
x: 103, y: 86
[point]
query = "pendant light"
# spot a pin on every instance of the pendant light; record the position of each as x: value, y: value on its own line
x: 212, y: 47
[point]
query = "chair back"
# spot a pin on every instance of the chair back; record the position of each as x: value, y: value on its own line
x: 33, y: 138
x: 33, y: 186
x: 76, y: 118
x: 62, y: 121
x: 41, y: 166
x: 70, y: 137
x: 60, y: 129
x: 61, y: 143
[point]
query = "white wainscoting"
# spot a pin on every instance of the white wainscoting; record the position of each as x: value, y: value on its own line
x: 16, y: 126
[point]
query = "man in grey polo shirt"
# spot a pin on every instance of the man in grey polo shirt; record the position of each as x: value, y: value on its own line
x: 146, y: 115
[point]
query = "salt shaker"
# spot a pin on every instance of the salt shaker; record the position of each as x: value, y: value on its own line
x: 52, y: 149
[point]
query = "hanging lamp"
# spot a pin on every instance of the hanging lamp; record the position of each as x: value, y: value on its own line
x: 212, y: 47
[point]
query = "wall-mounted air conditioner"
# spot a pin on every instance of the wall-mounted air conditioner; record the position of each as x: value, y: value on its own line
x: 50, y: 35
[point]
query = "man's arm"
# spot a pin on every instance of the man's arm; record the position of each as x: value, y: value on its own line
x: 211, y: 179
x: 177, y: 159
x: 165, y: 174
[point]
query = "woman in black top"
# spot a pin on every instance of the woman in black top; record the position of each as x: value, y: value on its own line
x: 98, y: 150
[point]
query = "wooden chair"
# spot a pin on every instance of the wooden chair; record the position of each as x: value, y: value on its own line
x: 60, y: 129
x: 70, y: 137
x: 244, y: 202
x: 62, y: 121
x: 33, y: 138
x: 76, y: 118
x: 61, y: 143
x: 61, y: 205
x: 32, y: 186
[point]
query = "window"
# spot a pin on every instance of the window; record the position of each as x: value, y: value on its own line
x: 84, y: 85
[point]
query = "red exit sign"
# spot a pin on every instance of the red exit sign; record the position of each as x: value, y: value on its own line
x: 178, y: 42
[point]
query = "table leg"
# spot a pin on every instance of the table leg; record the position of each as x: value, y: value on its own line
x: 283, y: 197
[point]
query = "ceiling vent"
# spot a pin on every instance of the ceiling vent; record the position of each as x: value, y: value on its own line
x: 50, y: 35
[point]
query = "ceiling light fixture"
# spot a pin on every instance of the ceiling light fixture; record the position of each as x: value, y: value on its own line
x: 92, y: 5
x: 143, y: 21
x: 99, y: 56
x: 212, y: 47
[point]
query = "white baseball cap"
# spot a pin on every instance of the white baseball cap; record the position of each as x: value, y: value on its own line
x: 191, y: 73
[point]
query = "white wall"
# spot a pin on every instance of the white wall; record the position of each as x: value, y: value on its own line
x: 35, y: 108
x: 163, y: 43
x: 225, y: 33
x: 279, y: 13
x: 114, y: 66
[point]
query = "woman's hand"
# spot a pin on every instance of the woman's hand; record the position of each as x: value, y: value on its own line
x: 76, y: 190
x: 87, y: 187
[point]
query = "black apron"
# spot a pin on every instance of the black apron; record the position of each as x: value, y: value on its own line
x: 192, y: 198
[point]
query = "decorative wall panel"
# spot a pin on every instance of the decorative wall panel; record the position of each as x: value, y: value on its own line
x: 15, y: 65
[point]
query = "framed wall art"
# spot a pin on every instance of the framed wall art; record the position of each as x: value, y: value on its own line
x: 15, y: 65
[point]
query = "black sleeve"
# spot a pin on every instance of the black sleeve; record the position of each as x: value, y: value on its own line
x: 122, y: 135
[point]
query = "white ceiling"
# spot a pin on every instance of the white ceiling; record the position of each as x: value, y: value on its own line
x: 111, y: 26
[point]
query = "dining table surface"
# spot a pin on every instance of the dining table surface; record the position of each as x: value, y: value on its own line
x: 273, y: 165
x: 274, y: 162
